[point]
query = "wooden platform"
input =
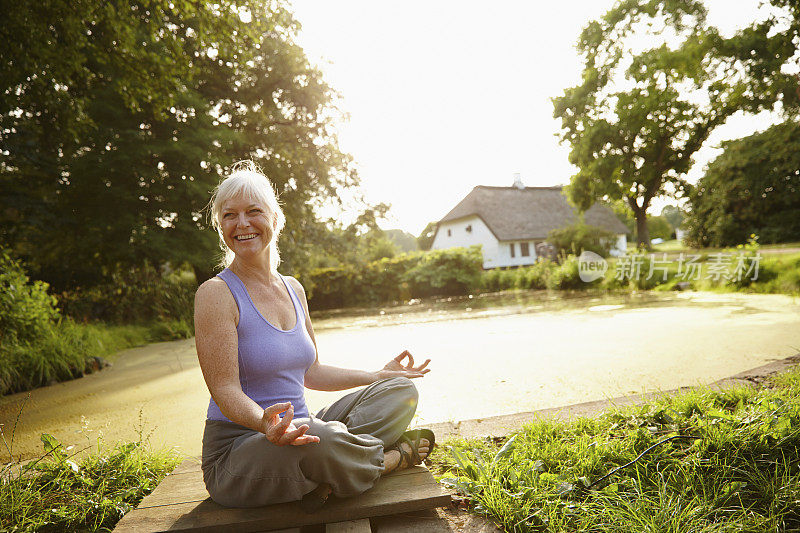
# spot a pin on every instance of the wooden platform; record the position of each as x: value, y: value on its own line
x: 181, y: 503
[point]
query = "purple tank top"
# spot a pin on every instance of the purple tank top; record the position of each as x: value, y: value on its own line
x: 272, y: 362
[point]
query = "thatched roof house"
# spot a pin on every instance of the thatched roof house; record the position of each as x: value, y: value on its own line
x: 510, y: 221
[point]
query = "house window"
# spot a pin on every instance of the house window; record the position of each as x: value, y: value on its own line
x: 449, y: 233
x: 512, y: 250
x: 469, y: 228
x: 524, y: 251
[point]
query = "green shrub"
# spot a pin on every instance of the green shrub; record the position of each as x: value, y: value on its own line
x: 26, y: 309
x: 411, y: 275
x: 446, y: 272
x: 332, y: 287
x: 38, y: 346
x: 134, y: 296
x: 565, y: 275
x: 581, y: 237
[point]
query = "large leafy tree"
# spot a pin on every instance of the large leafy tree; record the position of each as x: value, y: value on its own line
x: 768, y: 52
x: 753, y: 187
x: 639, y: 114
x: 119, y: 117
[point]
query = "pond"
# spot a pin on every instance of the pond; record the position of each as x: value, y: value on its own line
x: 492, y: 354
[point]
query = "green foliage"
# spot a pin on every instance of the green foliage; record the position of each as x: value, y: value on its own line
x: 623, y: 212
x: 38, y: 346
x: 452, y: 272
x: 425, y: 239
x: 446, y: 272
x: 134, y: 296
x: 57, y: 493
x: 630, y: 144
x: 659, y: 228
x: 581, y: 237
x: 404, y: 241
x: 764, y: 50
x: 26, y: 309
x: 119, y: 118
x: 752, y: 187
x: 674, y: 215
x: 739, y: 472
x: 541, y: 275
x: 415, y: 275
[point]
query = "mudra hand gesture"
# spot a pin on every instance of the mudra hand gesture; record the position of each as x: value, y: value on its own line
x: 396, y: 368
x: 281, y: 432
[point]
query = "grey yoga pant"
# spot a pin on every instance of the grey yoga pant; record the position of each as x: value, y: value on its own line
x: 241, y: 468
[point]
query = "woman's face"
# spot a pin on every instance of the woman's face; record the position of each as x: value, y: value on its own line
x: 247, y: 226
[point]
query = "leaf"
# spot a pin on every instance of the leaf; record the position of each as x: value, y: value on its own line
x: 50, y: 442
x: 565, y: 488
x: 507, y: 448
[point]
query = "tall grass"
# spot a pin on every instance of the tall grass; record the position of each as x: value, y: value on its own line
x: 38, y: 345
x: 65, y: 350
x: 741, y: 472
x: 58, y: 493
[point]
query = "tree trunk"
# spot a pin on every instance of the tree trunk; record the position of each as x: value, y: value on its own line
x: 642, y: 235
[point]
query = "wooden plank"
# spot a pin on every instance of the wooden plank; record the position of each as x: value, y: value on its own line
x: 187, y: 486
x: 166, y: 509
x: 190, y: 464
x: 351, y: 526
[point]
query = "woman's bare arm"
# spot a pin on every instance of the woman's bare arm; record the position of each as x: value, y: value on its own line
x: 331, y: 378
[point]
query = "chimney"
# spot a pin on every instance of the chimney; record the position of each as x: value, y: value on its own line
x: 518, y: 181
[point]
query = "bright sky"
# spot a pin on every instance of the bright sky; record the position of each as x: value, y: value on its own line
x: 443, y: 96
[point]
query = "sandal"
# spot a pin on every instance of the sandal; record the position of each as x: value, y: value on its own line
x: 315, y: 500
x: 412, y: 438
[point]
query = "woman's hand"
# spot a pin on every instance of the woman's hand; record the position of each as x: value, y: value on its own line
x: 281, y: 432
x: 395, y: 367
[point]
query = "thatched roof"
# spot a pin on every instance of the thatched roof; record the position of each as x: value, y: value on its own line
x: 528, y: 213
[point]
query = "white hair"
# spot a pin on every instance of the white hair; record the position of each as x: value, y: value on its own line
x: 246, y: 180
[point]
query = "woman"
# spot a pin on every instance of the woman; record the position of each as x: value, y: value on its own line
x: 257, y: 351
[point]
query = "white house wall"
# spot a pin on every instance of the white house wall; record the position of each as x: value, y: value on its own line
x: 495, y: 254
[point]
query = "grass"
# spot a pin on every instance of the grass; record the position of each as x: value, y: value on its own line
x: 59, y: 493
x: 63, y: 350
x: 674, y: 246
x: 740, y: 472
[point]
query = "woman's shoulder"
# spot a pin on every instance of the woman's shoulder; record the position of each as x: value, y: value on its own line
x: 213, y: 291
x: 296, y: 285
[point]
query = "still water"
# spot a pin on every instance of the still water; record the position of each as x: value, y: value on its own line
x: 491, y: 354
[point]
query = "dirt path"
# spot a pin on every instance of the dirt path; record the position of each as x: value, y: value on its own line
x: 486, y: 362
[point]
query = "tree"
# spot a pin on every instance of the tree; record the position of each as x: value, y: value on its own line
x: 425, y: 239
x: 766, y: 53
x: 674, y: 215
x: 637, y: 117
x: 404, y: 240
x: 119, y: 117
x: 659, y: 228
x: 752, y: 187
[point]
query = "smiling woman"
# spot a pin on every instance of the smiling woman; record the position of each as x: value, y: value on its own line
x: 246, y: 197
x: 256, y: 348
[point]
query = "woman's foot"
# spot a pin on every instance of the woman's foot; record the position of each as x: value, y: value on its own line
x: 314, y: 500
x: 412, y: 449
